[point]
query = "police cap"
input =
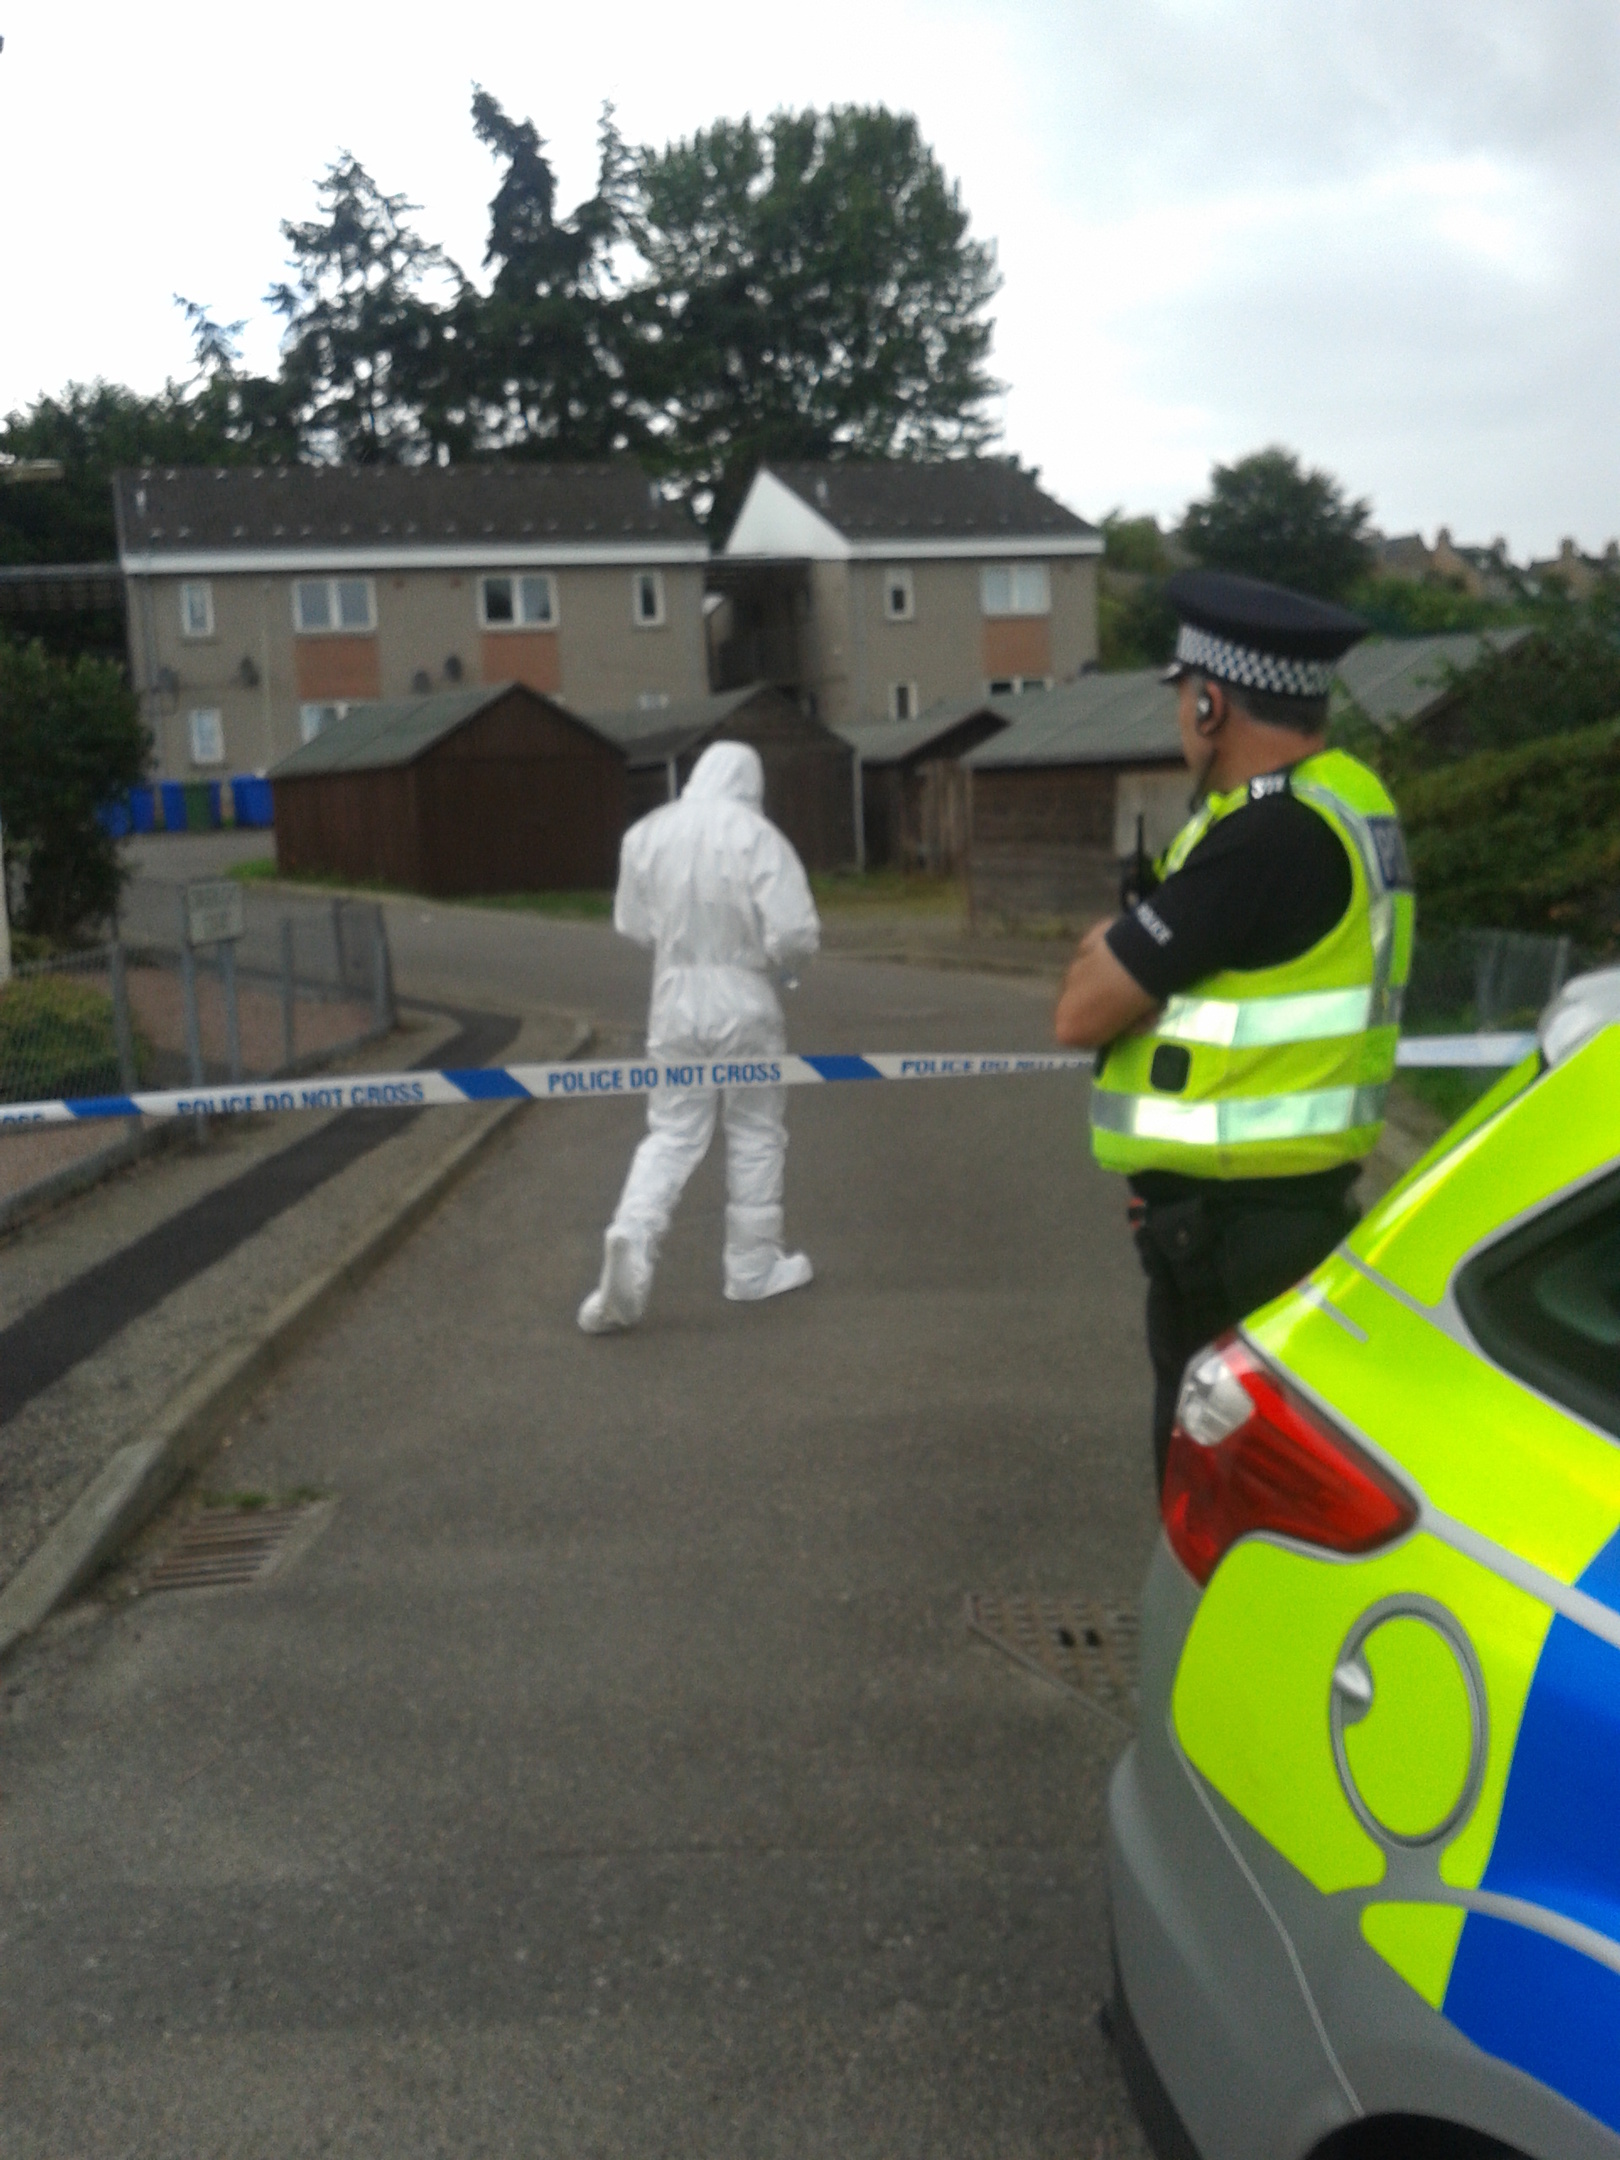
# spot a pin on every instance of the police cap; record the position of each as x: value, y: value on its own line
x: 1256, y: 636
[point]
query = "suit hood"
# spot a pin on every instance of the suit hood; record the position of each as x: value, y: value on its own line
x: 728, y: 771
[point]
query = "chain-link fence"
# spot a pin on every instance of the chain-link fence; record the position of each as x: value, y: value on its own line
x: 1464, y: 980
x: 305, y: 983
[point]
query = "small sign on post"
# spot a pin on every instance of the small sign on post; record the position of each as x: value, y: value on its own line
x: 214, y: 914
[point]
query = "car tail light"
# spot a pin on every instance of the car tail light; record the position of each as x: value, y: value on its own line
x: 1247, y: 1454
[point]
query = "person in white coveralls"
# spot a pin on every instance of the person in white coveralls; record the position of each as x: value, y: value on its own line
x: 711, y: 885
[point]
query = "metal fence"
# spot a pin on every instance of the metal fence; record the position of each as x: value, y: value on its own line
x: 305, y: 983
x: 1484, y: 979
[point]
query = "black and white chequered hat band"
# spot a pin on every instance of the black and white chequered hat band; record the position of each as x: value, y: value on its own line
x: 1212, y: 655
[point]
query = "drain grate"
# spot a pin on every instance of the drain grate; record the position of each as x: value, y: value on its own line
x: 228, y: 1548
x: 1080, y: 1644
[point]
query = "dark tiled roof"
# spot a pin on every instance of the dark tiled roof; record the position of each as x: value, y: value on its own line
x: 945, y: 499
x: 186, y: 507
x: 396, y: 731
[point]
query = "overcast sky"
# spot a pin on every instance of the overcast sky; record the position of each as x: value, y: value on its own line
x: 1381, y: 232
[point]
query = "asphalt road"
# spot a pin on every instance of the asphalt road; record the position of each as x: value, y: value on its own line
x: 615, y: 1774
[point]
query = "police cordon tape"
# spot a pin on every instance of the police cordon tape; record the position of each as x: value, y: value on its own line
x: 645, y: 1075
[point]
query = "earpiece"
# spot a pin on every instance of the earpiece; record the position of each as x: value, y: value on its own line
x: 1205, y: 707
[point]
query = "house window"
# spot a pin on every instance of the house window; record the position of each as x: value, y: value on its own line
x: 517, y: 603
x: 1010, y: 685
x: 1022, y: 588
x: 334, y: 604
x: 647, y: 599
x: 312, y: 718
x: 207, y: 736
x: 899, y: 597
x: 197, y: 609
x: 902, y: 701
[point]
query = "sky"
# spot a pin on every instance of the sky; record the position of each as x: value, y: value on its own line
x: 1379, y: 232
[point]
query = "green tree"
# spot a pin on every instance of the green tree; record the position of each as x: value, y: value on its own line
x: 1268, y: 518
x: 542, y: 350
x: 1404, y: 607
x: 369, y: 365
x: 810, y: 290
x: 70, y: 739
x: 216, y: 416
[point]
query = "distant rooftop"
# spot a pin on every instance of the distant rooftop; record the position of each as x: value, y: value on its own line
x: 184, y: 510
x: 942, y: 504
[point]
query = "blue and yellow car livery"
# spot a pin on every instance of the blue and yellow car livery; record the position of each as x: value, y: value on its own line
x: 1365, y: 1854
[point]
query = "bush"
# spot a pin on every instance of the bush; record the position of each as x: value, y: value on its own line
x: 70, y: 739
x: 1525, y: 839
x: 56, y: 1038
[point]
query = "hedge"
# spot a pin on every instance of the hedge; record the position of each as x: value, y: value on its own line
x: 57, y: 1038
x: 1525, y: 839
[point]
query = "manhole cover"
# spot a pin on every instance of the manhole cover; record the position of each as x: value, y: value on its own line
x: 1072, y: 1640
x: 227, y: 1548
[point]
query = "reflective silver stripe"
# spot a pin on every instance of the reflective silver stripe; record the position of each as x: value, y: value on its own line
x: 1311, y: 1016
x: 1380, y: 900
x: 1244, y: 1119
x: 1240, y: 1023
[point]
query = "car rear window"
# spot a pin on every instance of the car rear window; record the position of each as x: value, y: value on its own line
x: 1546, y: 1303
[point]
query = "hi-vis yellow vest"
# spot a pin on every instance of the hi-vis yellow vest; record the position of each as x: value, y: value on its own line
x: 1273, y: 1072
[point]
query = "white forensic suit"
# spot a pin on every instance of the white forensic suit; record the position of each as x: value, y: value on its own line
x: 711, y: 885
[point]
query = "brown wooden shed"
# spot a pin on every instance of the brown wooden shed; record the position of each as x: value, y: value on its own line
x: 809, y: 771
x: 913, y: 788
x: 497, y: 789
x: 1054, y: 798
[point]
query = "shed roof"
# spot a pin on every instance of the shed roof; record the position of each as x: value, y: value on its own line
x: 383, y: 732
x: 649, y: 735
x: 891, y: 742
x: 1395, y: 680
x: 1128, y: 718
x: 186, y: 510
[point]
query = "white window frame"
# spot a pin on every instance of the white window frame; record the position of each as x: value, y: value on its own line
x: 318, y: 713
x: 903, y: 693
x: 656, y: 578
x: 1028, y: 589
x: 517, y: 579
x: 899, y: 581
x: 210, y: 714
x: 333, y: 627
x: 1016, y: 685
x: 189, y: 588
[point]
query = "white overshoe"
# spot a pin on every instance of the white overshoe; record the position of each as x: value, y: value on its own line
x: 620, y: 1298
x: 791, y: 1271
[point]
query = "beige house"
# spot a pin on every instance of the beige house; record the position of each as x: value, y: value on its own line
x: 872, y: 591
x: 262, y: 602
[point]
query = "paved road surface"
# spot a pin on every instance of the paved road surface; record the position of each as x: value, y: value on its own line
x: 615, y: 1774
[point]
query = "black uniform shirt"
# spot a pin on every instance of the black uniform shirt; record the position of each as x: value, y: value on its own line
x: 1262, y: 886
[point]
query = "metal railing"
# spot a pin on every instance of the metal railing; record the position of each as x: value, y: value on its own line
x: 306, y: 982
x: 1485, y: 979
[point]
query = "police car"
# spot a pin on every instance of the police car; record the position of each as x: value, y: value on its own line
x: 1364, y: 1854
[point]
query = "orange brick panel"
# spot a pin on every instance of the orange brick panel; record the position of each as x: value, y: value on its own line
x: 1017, y: 645
x: 525, y: 656
x: 340, y: 666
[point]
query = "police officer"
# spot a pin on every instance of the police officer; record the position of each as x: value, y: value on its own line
x: 1246, y: 1002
